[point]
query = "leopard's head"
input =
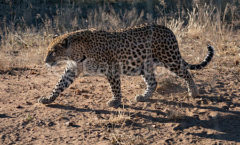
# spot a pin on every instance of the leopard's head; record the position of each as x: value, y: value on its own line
x: 62, y: 48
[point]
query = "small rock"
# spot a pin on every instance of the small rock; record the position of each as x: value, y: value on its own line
x: 202, y: 111
x: 232, y: 106
x: 225, y: 108
x: 204, y: 101
x: 63, y: 118
x: 213, y: 114
x: 3, y: 116
x: 109, y: 125
x: 104, y: 138
x: 150, y: 136
x: 99, y: 135
x: 24, y: 123
x: 72, y: 88
x: 3, y: 137
x: 19, y: 107
x: 80, y: 92
x: 40, y: 123
x: 199, y: 102
x: 86, y: 96
x: 29, y: 103
x: 69, y: 123
x: 51, y: 124
x: 169, y: 141
x: 236, y: 62
x: 128, y: 122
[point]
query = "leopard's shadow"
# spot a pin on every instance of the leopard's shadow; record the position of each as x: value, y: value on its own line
x: 169, y: 87
x: 228, y: 125
x: 99, y: 111
x: 72, y: 108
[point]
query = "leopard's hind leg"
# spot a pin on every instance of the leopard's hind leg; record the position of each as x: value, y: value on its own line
x: 150, y: 80
x: 151, y: 87
x: 181, y: 71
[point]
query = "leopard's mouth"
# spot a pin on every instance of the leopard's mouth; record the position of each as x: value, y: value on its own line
x: 56, y: 63
x: 50, y: 61
x: 51, y: 64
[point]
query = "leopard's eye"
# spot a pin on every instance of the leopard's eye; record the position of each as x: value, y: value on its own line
x: 53, y: 53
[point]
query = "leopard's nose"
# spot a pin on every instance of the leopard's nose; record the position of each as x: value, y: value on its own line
x: 47, y: 59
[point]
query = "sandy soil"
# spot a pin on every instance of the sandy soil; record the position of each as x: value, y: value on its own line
x: 80, y: 114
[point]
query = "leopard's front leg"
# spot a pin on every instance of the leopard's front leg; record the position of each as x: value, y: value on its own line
x: 113, y: 76
x: 66, y: 80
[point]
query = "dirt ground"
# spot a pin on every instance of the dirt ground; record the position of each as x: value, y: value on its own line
x: 80, y: 115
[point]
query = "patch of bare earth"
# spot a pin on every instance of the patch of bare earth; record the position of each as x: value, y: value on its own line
x: 80, y: 115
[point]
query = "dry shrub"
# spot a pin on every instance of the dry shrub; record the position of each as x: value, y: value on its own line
x: 120, y: 119
x: 175, y: 115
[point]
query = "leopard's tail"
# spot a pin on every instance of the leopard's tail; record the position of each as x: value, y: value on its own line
x: 204, y: 63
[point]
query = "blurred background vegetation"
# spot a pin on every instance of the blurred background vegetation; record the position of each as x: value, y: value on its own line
x: 21, y: 13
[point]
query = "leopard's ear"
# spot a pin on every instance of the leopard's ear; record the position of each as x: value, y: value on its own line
x: 55, y: 36
x: 65, y: 43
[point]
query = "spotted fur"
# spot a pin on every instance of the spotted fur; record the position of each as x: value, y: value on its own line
x: 134, y: 51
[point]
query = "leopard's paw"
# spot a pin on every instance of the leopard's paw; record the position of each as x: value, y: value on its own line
x: 45, y: 100
x: 141, y: 98
x: 114, y: 103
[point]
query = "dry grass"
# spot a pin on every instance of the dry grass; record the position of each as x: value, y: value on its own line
x: 120, y: 119
x: 118, y: 138
x: 175, y: 115
x: 23, y: 49
x: 26, y: 46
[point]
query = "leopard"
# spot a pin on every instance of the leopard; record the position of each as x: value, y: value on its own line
x: 134, y: 51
